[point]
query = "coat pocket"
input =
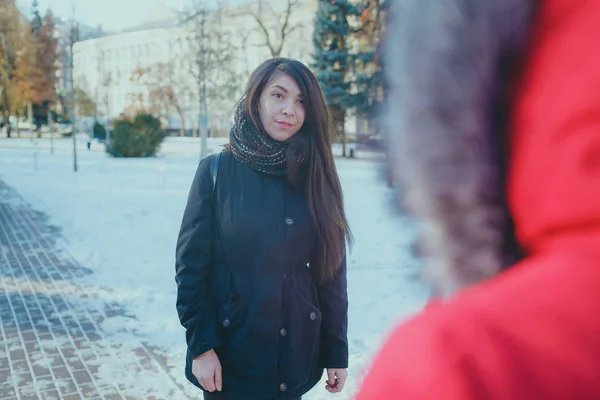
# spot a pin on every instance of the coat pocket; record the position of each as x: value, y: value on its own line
x: 230, y: 315
x: 304, y: 338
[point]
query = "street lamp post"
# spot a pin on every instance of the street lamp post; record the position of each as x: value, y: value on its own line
x: 51, y: 126
x: 72, y: 39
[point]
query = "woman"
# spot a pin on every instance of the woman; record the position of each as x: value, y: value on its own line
x: 261, y: 263
x: 495, y: 122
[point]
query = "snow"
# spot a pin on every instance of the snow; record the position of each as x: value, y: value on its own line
x: 120, y: 218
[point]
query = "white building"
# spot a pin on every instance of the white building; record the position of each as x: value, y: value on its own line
x: 63, y: 34
x: 108, y: 68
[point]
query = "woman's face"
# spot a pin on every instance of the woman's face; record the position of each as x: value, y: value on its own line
x: 281, y: 110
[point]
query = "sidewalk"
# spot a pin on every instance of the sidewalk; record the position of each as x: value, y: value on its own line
x: 54, y: 341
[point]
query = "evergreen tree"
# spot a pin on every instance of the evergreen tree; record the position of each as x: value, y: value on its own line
x: 369, y: 75
x: 332, y: 59
x: 345, y: 39
x: 47, y: 58
x: 36, y: 20
x: 44, y: 78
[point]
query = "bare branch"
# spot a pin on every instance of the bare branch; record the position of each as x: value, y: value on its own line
x: 284, y: 29
x: 286, y: 20
x: 258, y: 18
x: 212, y: 52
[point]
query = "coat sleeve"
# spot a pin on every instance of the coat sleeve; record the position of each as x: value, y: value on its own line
x: 333, y: 300
x: 193, y: 259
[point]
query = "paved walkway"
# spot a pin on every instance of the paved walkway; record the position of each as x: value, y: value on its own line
x: 53, y: 341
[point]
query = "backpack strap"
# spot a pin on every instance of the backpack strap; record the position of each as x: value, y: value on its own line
x: 214, y: 169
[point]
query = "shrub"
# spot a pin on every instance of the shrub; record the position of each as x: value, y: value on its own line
x: 140, y: 137
x: 99, y: 131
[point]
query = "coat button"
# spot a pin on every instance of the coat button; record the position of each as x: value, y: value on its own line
x: 283, y: 387
x: 226, y: 322
x: 283, y: 332
x: 289, y: 221
x: 313, y: 316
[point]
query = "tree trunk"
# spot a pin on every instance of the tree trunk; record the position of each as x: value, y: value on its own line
x: 182, y: 123
x: 38, y: 128
x: 8, y: 127
x: 18, y: 117
x: 30, y: 115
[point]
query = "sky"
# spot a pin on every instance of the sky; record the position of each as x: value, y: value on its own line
x: 111, y: 14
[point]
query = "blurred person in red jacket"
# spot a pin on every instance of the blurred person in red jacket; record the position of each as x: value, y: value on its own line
x: 494, y: 124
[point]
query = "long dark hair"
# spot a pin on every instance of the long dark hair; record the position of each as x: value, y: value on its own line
x: 320, y: 180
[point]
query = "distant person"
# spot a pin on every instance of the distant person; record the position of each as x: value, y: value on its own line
x: 261, y: 263
x: 494, y: 120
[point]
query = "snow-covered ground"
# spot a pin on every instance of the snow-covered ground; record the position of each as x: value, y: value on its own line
x: 120, y: 218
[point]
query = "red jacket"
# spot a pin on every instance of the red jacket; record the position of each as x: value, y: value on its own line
x: 533, y: 331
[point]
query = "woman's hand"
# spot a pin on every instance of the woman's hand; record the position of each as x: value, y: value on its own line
x: 336, y: 378
x: 207, y: 369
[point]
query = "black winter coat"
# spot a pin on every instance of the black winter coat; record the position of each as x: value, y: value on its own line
x: 245, y: 289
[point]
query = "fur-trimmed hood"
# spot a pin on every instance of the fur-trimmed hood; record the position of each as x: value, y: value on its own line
x: 447, y: 66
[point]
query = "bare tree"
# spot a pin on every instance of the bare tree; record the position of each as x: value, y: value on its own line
x: 242, y: 45
x: 166, y: 88
x: 264, y: 14
x: 73, y: 37
x: 84, y: 104
x: 104, y: 82
x: 211, y: 66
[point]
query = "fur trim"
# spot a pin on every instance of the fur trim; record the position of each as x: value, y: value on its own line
x: 442, y: 66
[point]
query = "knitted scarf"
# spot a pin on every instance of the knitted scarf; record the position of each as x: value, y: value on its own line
x: 255, y: 148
